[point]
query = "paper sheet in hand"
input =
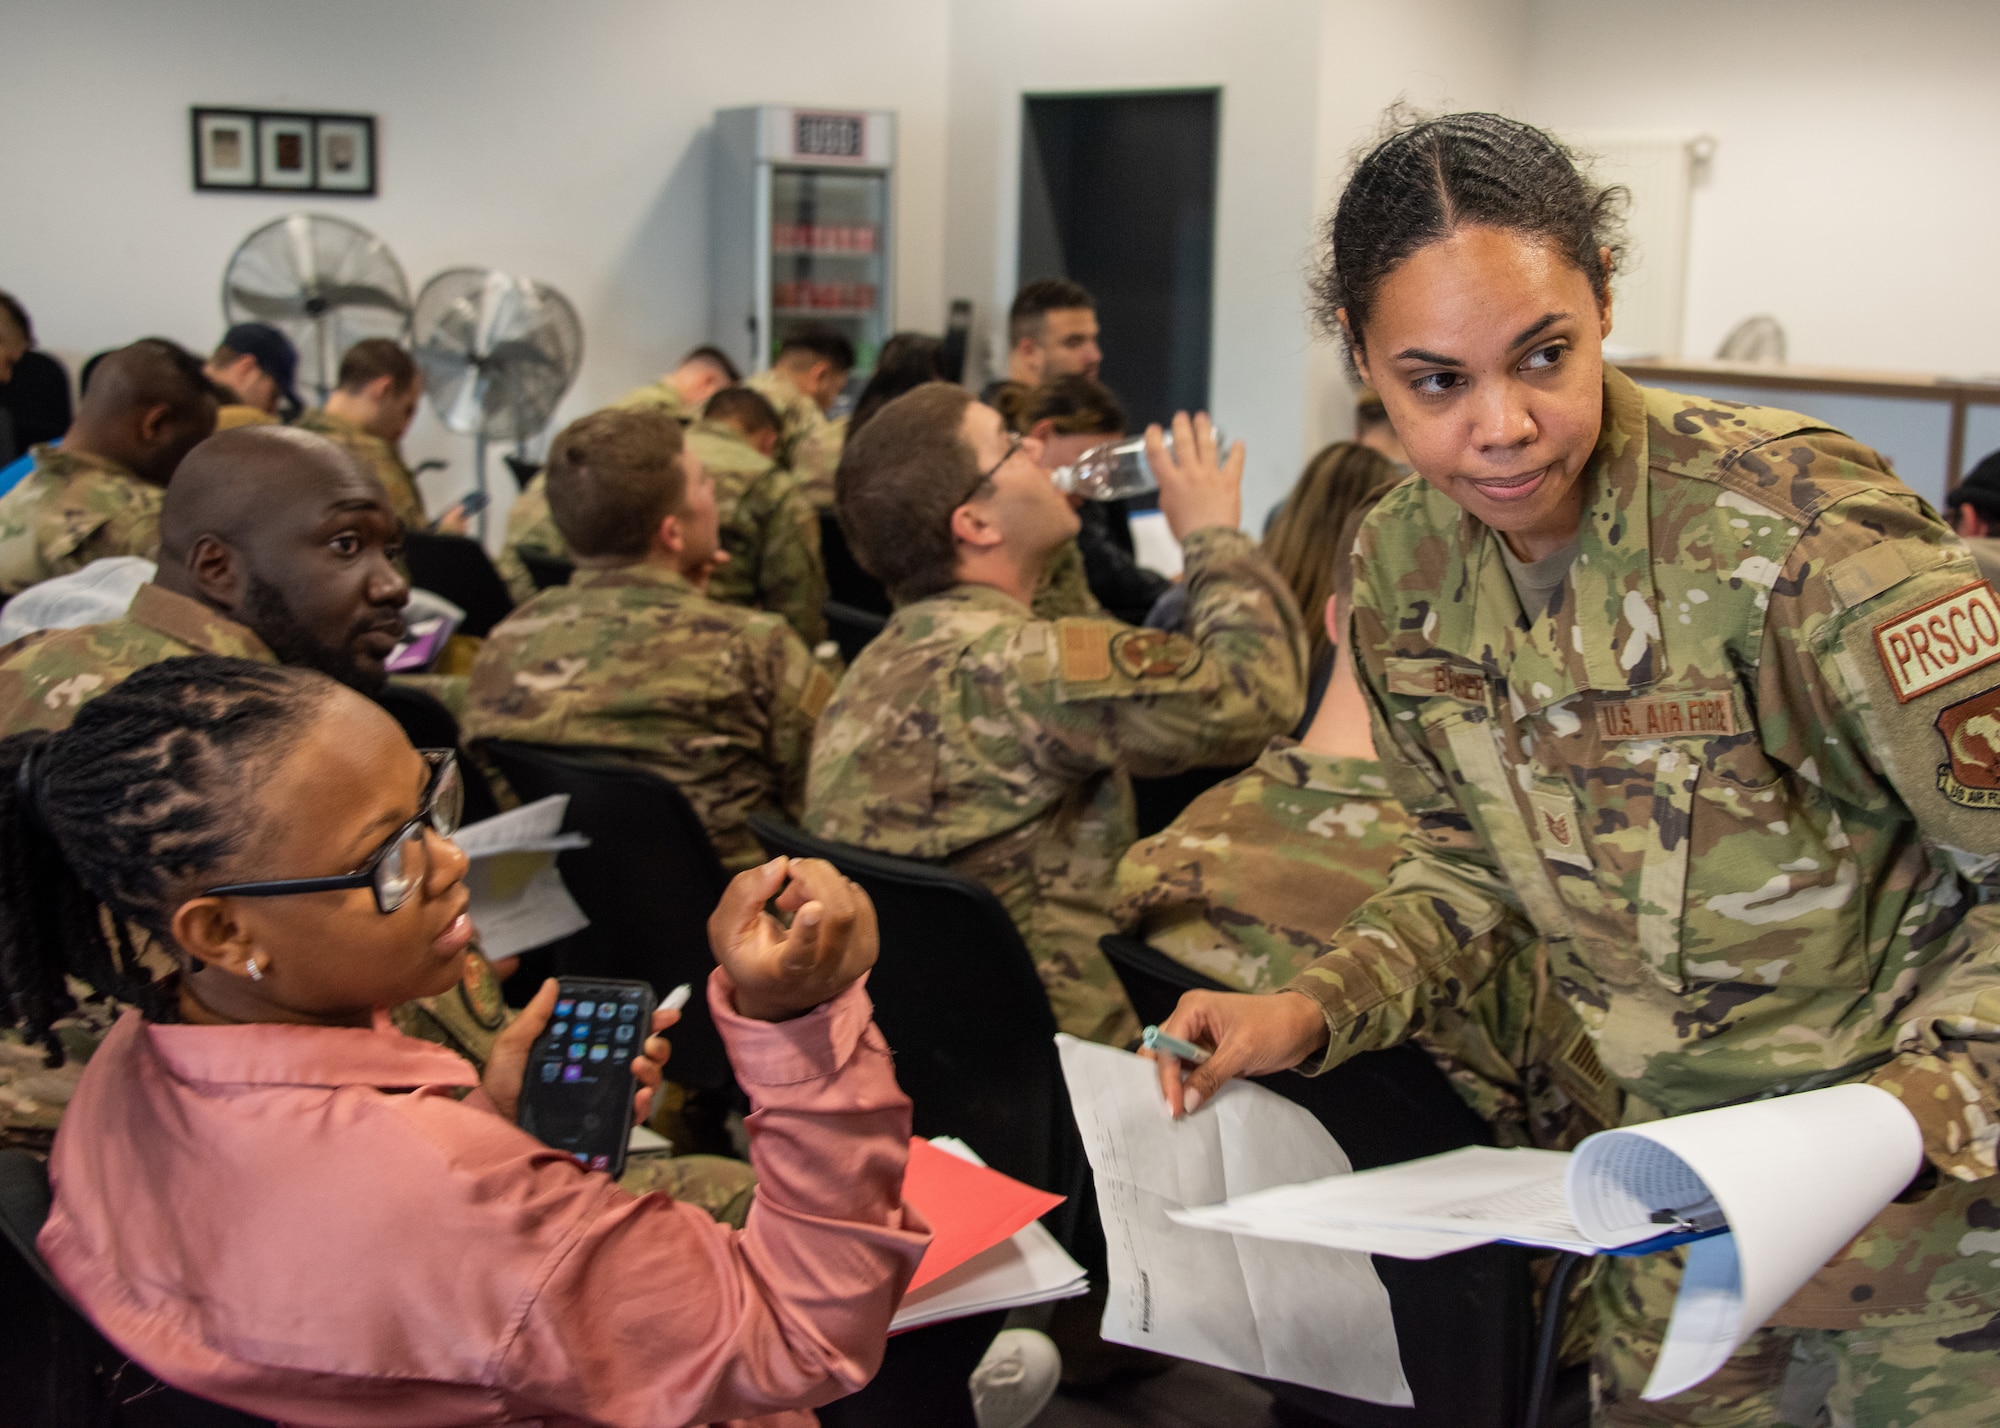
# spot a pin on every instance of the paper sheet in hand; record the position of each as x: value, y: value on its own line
x: 1028, y: 1267
x: 1796, y: 1177
x: 1315, y: 1316
x: 518, y: 898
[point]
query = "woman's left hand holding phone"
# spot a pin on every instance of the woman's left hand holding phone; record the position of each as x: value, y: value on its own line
x: 508, y: 1063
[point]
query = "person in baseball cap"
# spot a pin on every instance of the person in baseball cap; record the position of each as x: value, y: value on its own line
x: 1973, y: 508
x: 255, y: 367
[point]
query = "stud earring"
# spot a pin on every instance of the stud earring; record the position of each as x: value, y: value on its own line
x: 256, y: 972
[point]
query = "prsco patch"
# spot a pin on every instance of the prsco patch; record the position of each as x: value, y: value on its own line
x: 1928, y: 647
x: 1667, y: 716
x: 1155, y: 654
x: 1971, y: 733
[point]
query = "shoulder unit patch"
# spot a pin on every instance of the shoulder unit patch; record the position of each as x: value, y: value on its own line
x: 1928, y: 647
x: 1154, y: 654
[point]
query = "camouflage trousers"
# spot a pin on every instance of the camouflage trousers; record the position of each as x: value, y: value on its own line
x: 721, y: 1187
x: 1935, y: 1366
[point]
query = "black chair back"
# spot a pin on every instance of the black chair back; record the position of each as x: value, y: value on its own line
x: 429, y: 725
x: 956, y: 994
x: 648, y: 881
x: 547, y: 571
x: 846, y: 581
x: 457, y: 568
x: 523, y: 469
x: 56, y: 1370
x: 1463, y: 1321
x: 851, y: 629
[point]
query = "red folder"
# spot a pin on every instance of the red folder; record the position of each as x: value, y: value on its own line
x: 970, y: 1208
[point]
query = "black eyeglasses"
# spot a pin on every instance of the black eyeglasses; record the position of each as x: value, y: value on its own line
x: 396, y: 868
x: 1012, y: 447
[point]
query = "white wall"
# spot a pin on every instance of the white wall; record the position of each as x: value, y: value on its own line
x: 1855, y: 189
x: 1302, y: 81
x: 565, y: 141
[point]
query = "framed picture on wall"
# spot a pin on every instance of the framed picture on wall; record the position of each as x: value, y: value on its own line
x: 225, y: 149
x: 284, y: 151
x: 344, y: 153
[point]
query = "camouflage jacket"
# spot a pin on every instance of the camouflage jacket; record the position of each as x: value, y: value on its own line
x: 769, y: 528
x: 1741, y: 777
x: 808, y: 444
x: 663, y: 395
x: 71, y: 509
x: 1065, y: 588
x: 719, y: 699
x: 1251, y: 882
x: 45, y: 677
x: 530, y: 526
x: 972, y: 733
x: 404, y: 498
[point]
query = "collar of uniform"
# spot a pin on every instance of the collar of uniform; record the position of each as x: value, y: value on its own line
x: 273, y: 1054
x: 62, y: 462
x: 982, y: 597
x: 643, y: 572
x: 1291, y: 764
x: 193, y: 623
x: 320, y: 418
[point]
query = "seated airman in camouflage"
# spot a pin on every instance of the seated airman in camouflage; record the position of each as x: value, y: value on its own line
x: 632, y: 656
x: 769, y: 527
x: 802, y: 384
x: 98, y: 494
x: 972, y: 733
x: 275, y: 545
x: 369, y: 412
x: 683, y: 392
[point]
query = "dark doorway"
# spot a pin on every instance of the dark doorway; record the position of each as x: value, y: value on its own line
x: 1118, y: 194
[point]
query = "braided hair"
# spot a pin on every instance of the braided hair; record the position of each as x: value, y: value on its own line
x: 1430, y: 176
x: 108, y: 825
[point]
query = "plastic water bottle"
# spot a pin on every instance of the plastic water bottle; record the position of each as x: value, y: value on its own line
x: 1115, y: 470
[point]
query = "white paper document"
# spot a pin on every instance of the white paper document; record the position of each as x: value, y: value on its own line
x: 1794, y: 1178
x: 1317, y: 1316
x: 518, y: 898
x: 1028, y: 1268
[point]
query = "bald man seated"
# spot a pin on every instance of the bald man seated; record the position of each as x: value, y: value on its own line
x: 99, y: 493
x: 275, y: 544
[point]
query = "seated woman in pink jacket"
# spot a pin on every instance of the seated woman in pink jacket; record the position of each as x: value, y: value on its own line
x: 268, y: 1196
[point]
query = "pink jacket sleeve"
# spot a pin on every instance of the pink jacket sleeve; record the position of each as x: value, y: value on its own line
x: 654, y: 1314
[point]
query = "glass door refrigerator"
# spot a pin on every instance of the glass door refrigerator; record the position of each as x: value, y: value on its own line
x: 800, y: 203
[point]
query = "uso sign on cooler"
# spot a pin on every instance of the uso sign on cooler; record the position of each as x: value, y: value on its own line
x: 1936, y: 643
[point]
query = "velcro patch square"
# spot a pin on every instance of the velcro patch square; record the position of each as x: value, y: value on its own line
x: 1086, y: 653
x: 1928, y: 647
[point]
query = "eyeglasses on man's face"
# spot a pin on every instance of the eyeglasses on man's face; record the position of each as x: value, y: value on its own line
x: 396, y: 868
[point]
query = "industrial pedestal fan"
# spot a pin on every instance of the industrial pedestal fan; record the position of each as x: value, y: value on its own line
x: 324, y: 282
x: 497, y: 353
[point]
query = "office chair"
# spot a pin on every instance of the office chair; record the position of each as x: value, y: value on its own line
x: 547, y: 571
x: 852, y: 629
x: 957, y: 996
x: 57, y: 1370
x: 846, y: 581
x: 648, y: 881
x: 1463, y: 1321
x: 457, y: 568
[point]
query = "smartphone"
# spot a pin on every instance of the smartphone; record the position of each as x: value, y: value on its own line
x: 468, y: 506
x: 577, y: 1095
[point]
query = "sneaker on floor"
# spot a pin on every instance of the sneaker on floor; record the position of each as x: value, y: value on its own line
x: 1016, y: 1378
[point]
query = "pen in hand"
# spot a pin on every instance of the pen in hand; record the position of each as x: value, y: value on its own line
x: 1186, y: 1052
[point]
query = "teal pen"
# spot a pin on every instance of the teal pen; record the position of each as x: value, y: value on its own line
x: 1153, y: 1039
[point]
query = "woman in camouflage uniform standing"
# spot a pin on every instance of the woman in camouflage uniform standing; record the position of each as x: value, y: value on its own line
x: 1706, y: 698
